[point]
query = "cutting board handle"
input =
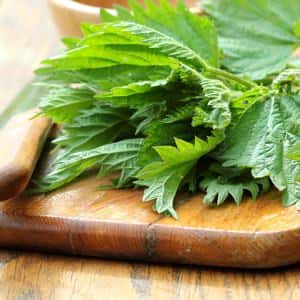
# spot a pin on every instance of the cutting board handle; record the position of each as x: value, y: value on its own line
x: 21, y: 142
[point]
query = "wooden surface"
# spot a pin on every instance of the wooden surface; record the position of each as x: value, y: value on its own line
x: 36, y: 276
x: 28, y: 276
x: 80, y: 219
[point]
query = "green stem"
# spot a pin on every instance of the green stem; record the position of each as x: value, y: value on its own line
x: 230, y: 76
x: 225, y: 74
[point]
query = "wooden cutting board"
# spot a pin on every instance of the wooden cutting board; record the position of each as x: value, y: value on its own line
x: 80, y: 219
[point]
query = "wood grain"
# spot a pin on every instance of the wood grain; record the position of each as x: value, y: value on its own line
x: 34, y: 276
x: 22, y: 140
x: 39, y: 276
x: 80, y: 219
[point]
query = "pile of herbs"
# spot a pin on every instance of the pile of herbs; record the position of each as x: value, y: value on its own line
x: 175, y: 102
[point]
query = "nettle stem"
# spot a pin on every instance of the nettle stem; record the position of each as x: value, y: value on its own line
x: 225, y: 75
x: 221, y: 73
x: 230, y: 76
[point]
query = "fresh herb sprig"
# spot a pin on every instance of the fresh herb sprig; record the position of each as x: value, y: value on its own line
x: 173, y: 102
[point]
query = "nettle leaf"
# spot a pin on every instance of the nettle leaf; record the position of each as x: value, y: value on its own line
x: 186, y: 111
x: 113, y: 157
x: 93, y: 127
x: 146, y: 115
x: 159, y: 134
x: 164, y: 43
x: 294, y: 152
x: 75, y: 63
x: 135, y: 90
x: 222, y: 183
x: 101, y: 56
x: 219, y: 188
x: 171, y: 90
x: 164, y: 177
x: 288, y: 76
x: 175, y: 31
x: 214, y: 110
x: 288, y: 81
x: 136, y: 100
x: 63, y: 104
x: 241, y: 103
x: 261, y: 141
x: 70, y: 42
x: 257, y: 37
x: 135, y: 94
x: 104, y: 79
x: 107, y: 34
x: 119, y: 156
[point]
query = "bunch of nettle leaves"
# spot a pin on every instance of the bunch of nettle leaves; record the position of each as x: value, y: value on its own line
x: 177, y: 101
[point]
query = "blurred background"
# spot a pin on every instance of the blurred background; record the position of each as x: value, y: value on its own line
x: 27, y: 35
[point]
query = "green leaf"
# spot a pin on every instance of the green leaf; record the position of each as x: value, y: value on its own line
x: 101, y: 56
x: 297, y: 28
x: 135, y: 90
x: 257, y: 37
x: 164, y: 177
x: 159, y: 133
x: 294, y: 152
x: 214, y: 110
x: 241, y: 103
x: 112, y: 157
x: 288, y: 81
x: 95, y: 126
x: 164, y: 43
x: 194, y: 32
x: 70, y: 42
x: 104, y: 79
x: 170, y: 90
x: 64, y: 104
x: 176, y: 32
x: 135, y: 94
x: 220, y: 188
x: 186, y: 111
x: 75, y: 63
x: 146, y: 115
x: 261, y: 141
x: 107, y: 34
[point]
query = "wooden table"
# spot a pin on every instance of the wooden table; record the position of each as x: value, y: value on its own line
x: 26, y: 36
